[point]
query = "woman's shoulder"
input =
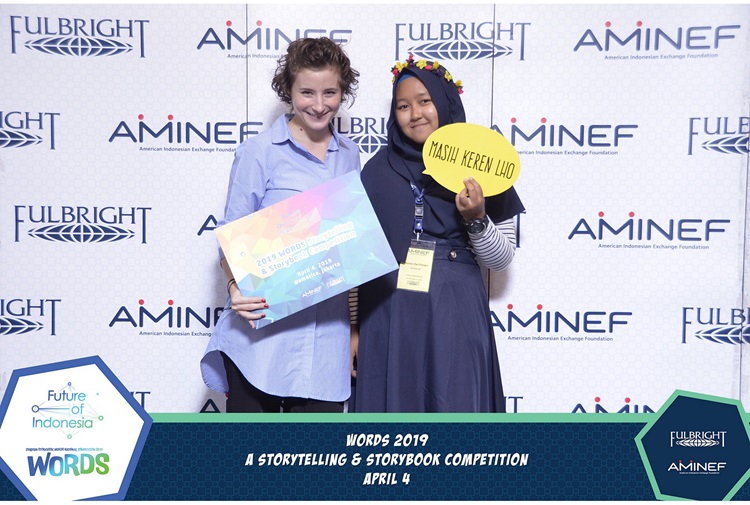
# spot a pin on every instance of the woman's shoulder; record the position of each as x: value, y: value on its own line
x: 346, y: 142
x: 380, y: 157
x: 372, y: 171
x: 257, y: 143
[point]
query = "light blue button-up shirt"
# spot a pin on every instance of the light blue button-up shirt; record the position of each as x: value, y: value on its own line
x: 305, y: 354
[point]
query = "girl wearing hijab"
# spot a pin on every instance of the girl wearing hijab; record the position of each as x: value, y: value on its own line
x: 431, y: 351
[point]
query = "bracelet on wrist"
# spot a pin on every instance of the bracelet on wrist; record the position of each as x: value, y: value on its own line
x: 229, y: 284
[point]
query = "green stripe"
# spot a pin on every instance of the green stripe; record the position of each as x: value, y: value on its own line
x: 402, y: 418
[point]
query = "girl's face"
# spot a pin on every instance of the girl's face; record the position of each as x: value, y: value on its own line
x: 415, y: 113
x: 316, y: 98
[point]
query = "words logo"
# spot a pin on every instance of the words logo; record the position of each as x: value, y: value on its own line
x: 23, y: 128
x: 18, y: 315
x: 461, y: 41
x: 721, y: 326
x: 78, y: 37
x: 722, y: 134
x: 81, y: 224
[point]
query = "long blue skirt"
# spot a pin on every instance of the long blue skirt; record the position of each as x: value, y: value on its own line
x: 428, y: 352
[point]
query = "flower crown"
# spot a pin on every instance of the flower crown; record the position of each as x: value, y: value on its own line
x: 434, y: 67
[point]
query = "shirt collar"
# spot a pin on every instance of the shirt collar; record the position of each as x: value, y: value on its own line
x: 281, y: 133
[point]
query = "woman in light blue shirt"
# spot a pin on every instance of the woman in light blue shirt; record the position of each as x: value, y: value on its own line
x: 302, y: 362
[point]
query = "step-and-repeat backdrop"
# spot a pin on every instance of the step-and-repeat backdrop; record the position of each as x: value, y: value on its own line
x: 118, y: 125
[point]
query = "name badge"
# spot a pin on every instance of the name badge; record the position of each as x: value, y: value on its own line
x: 414, y: 274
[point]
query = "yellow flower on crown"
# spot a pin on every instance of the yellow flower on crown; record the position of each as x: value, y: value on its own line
x: 423, y: 64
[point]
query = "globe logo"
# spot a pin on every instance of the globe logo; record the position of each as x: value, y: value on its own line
x: 81, y: 233
x: 13, y: 138
x: 726, y: 334
x: 369, y: 143
x: 79, y: 46
x: 18, y: 326
x: 460, y: 50
x: 729, y: 145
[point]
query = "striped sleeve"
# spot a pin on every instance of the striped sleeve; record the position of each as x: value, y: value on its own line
x: 495, y: 246
x: 354, y: 306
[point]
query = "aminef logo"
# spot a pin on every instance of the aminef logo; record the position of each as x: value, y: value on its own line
x: 596, y: 138
x: 628, y: 407
x: 78, y: 36
x: 195, y: 136
x: 650, y: 230
x: 661, y: 43
x: 548, y: 325
x: 171, y: 316
x: 265, y: 38
x: 23, y: 128
x: 461, y: 41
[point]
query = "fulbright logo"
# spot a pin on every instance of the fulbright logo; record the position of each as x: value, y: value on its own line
x: 78, y: 36
x: 724, y: 135
x: 24, y: 128
x: 719, y: 325
x: 462, y: 41
x: 697, y: 438
x: 369, y: 133
x: 19, y: 316
x: 79, y: 224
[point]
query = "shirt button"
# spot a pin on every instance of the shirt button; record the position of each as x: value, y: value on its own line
x: 452, y: 255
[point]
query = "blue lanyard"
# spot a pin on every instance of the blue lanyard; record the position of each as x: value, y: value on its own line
x: 418, y: 208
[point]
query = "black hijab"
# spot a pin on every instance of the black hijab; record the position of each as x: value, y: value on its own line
x: 404, y: 157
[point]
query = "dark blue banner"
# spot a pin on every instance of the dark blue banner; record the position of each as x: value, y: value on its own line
x: 199, y: 457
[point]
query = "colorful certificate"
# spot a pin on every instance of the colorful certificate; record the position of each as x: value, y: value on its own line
x: 307, y: 248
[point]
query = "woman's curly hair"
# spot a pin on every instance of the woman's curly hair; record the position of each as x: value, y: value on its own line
x: 317, y: 54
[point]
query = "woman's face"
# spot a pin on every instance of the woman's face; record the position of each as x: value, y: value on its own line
x: 415, y: 113
x: 316, y: 98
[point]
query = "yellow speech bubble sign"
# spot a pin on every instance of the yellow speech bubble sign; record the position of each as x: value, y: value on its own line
x: 456, y: 151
